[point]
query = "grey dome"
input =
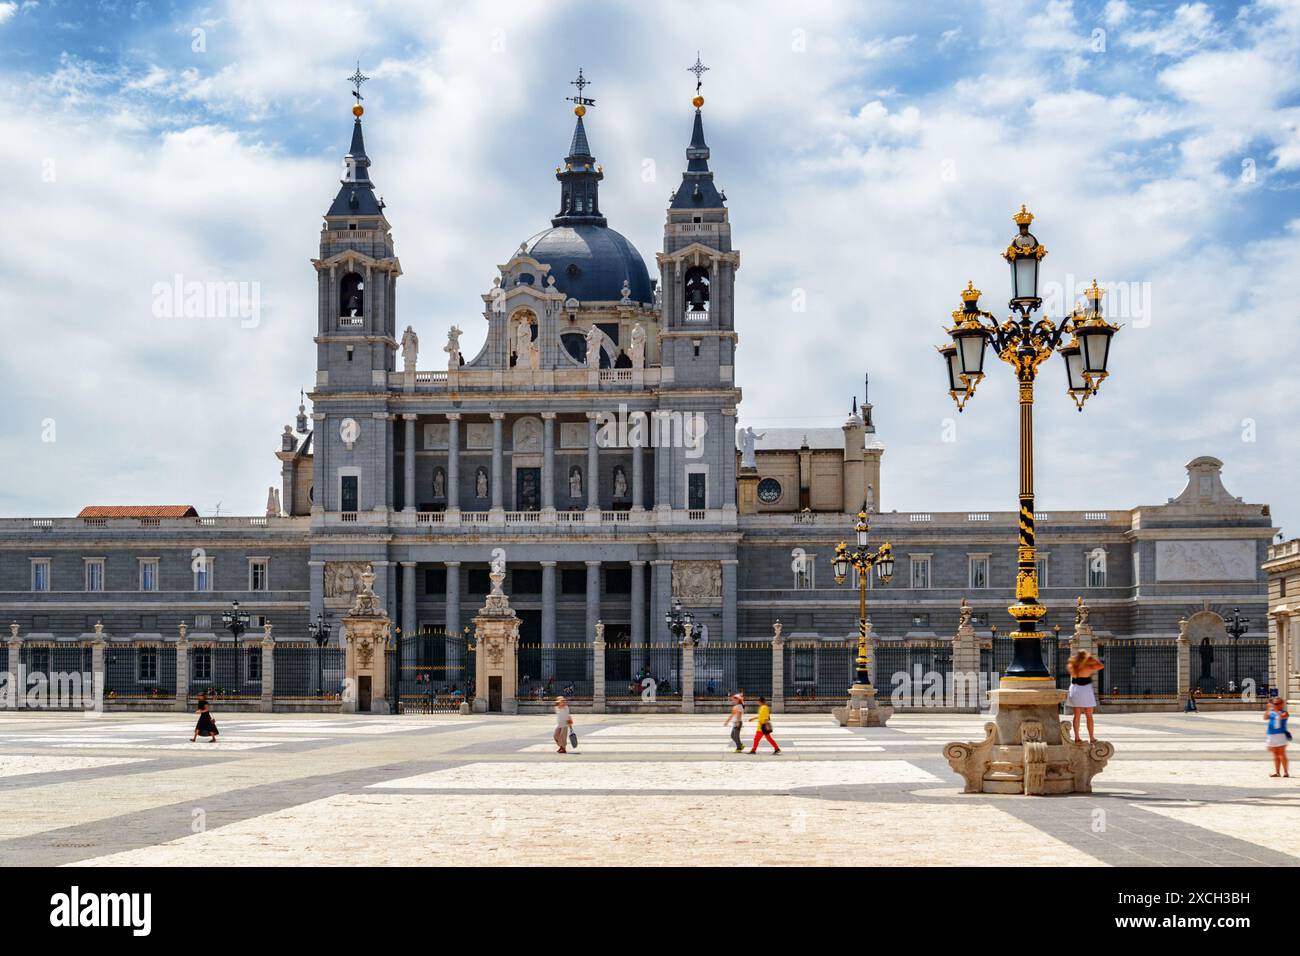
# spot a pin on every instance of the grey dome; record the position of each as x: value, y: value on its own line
x: 591, y: 262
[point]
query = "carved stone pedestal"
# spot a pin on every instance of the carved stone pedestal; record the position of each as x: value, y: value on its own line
x: 366, y: 630
x: 862, y: 709
x: 496, y: 636
x: 1027, y: 748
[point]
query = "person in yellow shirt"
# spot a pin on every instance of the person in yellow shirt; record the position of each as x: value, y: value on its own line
x: 764, y: 721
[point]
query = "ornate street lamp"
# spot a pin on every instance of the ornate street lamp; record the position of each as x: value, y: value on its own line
x: 1236, y: 626
x: 863, y: 559
x: 1024, y: 343
x: 236, y: 621
x: 681, y: 623
x: 319, y: 631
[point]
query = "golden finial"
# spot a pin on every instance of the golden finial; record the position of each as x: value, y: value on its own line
x: 580, y: 110
x: 356, y: 79
x: 1096, y: 292
x: 970, y: 293
x: 1024, y: 217
x: 699, y: 69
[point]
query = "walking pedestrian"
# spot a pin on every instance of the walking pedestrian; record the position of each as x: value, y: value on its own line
x: 206, y: 726
x: 563, y: 722
x: 764, y: 721
x: 736, y: 719
x: 1278, y: 737
x: 1082, y: 699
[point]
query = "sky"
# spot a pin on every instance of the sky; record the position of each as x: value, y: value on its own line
x: 872, y: 153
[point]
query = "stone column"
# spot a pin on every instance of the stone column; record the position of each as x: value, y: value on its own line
x: 408, y: 460
x: 182, y: 670
x: 453, y: 462
x: 663, y: 465
x: 409, y: 625
x: 593, y: 598
x: 98, y: 676
x: 593, y: 474
x: 451, y: 619
x: 1184, y: 665
x: 498, y: 430
x: 320, y: 470
x: 729, y: 567
x: 548, y: 463
x: 638, y: 471
x: 661, y: 599
x: 13, y: 694
x: 548, y: 603
x: 687, y: 676
x: 637, y: 637
x: 778, y: 669
x: 268, y: 670
x: 598, y: 676
x: 967, y: 693
x: 317, y: 601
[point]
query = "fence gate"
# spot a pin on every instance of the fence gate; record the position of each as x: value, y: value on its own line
x: 435, y: 672
x: 725, y: 669
x: 1222, y: 667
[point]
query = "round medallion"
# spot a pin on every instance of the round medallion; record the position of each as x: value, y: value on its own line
x: 769, y: 491
x: 349, y: 430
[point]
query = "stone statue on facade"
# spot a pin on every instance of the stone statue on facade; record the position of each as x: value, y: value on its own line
x: 452, y: 348
x: 410, y: 349
x: 523, y: 345
x: 748, y: 438
x: 1081, y: 612
x: 272, y: 511
x: 594, y: 335
x: 963, y: 613
x: 636, y: 348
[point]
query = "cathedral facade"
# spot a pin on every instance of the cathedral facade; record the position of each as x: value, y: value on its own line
x: 593, y: 440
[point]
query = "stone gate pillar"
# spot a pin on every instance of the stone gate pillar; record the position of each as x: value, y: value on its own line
x: 966, y: 691
x: 98, y: 676
x: 268, y: 670
x: 496, y: 660
x: 778, y: 669
x: 182, y: 668
x: 1184, y: 665
x: 687, y: 676
x: 366, y: 630
x: 598, y: 675
x: 16, y: 687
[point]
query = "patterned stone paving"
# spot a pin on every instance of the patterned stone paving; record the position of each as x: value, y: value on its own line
x: 123, y: 789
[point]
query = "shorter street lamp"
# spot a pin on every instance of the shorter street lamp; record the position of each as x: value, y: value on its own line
x: 236, y: 621
x: 319, y: 631
x: 681, y: 623
x: 863, y: 559
x: 1237, y: 626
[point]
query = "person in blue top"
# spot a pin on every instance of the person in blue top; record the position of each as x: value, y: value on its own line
x: 1278, y: 737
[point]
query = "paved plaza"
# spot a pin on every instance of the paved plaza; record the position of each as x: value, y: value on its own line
x: 121, y: 789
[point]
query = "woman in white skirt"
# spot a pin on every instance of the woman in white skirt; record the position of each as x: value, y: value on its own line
x: 1082, y: 698
x: 1278, y: 736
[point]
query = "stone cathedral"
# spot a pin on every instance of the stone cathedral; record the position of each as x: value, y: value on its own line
x: 594, y: 438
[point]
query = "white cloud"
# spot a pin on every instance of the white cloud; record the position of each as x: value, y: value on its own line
x: 7, y: 10
x: 1191, y: 26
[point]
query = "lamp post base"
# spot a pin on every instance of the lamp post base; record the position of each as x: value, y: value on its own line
x: 862, y: 709
x: 1026, y: 748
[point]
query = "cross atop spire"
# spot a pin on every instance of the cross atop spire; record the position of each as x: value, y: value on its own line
x: 699, y: 69
x: 356, y: 79
x: 580, y: 102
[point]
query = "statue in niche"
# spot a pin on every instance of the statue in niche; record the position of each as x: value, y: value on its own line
x: 871, y: 500
x: 439, y: 483
x: 575, y: 482
x: 480, y: 482
x: 620, y: 482
x: 636, y: 348
x: 594, y: 335
x: 452, y: 348
x: 523, y: 344
x: 410, y: 349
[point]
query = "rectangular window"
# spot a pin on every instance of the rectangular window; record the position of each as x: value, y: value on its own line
x: 149, y: 574
x: 348, y: 493
x: 1281, y: 587
x: 803, y: 573
x: 920, y: 571
x: 95, y: 575
x: 920, y: 620
x: 435, y: 581
x: 618, y: 581
x: 805, y: 671
x: 202, y: 664
x: 1137, y: 569
x: 39, y: 661
x: 41, y: 575
x: 573, y: 580
x: 478, y: 581
x: 979, y: 571
x: 148, y: 623
x: 1043, y: 563
x: 203, y: 573
x: 259, y: 572
x: 855, y: 575
x: 254, y: 666
x: 979, y: 620
x: 202, y: 622
x: 148, y: 664
x: 526, y: 581
x: 696, y: 490
x: 1095, y: 561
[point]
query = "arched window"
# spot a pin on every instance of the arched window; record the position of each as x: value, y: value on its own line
x: 352, y: 295
x: 697, y: 289
x: 525, y: 278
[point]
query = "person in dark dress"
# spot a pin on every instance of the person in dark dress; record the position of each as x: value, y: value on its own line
x: 206, y: 727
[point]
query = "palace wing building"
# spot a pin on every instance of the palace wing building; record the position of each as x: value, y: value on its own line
x: 593, y: 437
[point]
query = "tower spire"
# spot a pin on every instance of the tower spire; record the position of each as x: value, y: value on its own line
x: 579, y: 176
x: 697, y: 190
x: 356, y: 197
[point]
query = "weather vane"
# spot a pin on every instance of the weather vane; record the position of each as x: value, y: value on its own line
x: 699, y: 69
x: 580, y: 102
x: 356, y: 79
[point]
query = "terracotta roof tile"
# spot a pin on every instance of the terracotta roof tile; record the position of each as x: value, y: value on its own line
x: 138, y: 511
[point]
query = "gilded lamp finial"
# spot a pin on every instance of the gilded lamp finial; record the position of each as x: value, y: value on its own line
x: 699, y: 69
x: 970, y: 293
x: 580, y: 102
x: 1096, y: 292
x: 1024, y: 217
x: 356, y: 79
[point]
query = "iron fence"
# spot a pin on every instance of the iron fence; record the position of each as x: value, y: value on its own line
x: 725, y: 669
x: 547, y: 671
x: 308, y: 672
x: 1139, y: 669
x: 434, y: 671
x: 1222, y: 667
x: 139, y: 671
x: 56, y: 674
x: 226, y: 671
x: 819, y: 670
x: 908, y: 672
x: 654, y: 672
